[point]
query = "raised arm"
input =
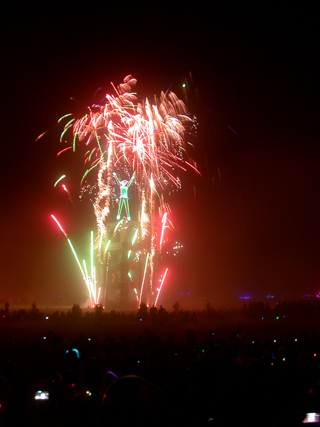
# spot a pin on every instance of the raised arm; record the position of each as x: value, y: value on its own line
x: 116, y: 177
x: 131, y: 179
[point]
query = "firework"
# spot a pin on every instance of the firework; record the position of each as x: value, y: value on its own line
x: 141, y: 146
x: 90, y: 279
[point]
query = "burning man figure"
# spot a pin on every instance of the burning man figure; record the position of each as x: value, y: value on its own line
x: 124, y: 199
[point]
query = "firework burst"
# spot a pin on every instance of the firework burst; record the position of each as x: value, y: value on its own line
x: 141, y: 146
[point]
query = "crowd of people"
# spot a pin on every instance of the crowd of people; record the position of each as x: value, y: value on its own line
x: 155, y: 379
x: 293, y: 309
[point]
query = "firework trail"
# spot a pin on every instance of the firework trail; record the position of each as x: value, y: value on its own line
x: 90, y: 279
x: 121, y: 137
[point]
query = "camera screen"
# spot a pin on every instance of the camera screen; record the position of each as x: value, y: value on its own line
x: 41, y: 395
x: 311, y: 417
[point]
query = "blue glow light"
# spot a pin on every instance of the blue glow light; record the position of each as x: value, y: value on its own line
x: 75, y: 350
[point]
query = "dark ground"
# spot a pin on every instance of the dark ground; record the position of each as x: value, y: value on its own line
x: 172, y: 368
x: 223, y: 328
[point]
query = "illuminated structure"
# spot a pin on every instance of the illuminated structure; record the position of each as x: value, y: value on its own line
x: 122, y: 267
x: 145, y: 145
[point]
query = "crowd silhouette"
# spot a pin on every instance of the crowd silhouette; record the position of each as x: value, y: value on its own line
x: 156, y: 379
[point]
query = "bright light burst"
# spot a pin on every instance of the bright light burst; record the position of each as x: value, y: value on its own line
x: 141, y: 145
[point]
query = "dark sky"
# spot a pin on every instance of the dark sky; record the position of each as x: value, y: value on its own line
x: 253, y: 230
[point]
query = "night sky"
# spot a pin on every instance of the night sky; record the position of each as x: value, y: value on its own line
x: 250, y: 225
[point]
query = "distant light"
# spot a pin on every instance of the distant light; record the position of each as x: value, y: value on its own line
x: 244, y: 297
